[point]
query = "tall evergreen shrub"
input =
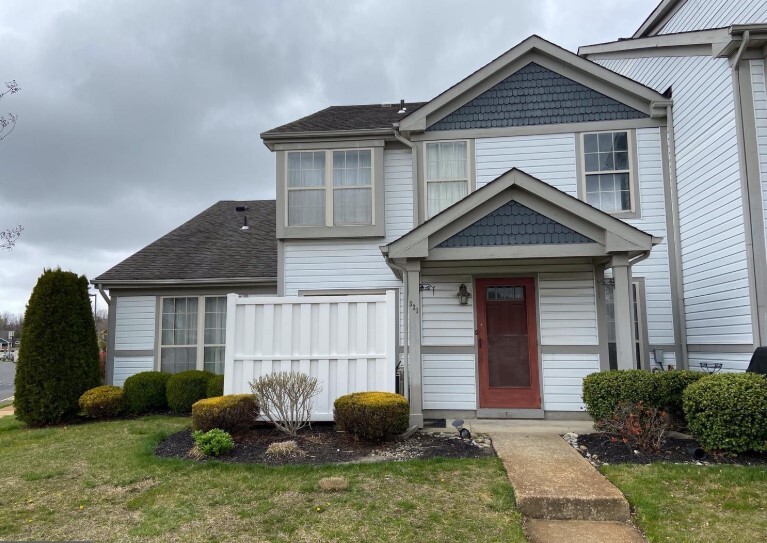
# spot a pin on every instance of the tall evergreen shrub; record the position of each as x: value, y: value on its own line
x: 59, y: 354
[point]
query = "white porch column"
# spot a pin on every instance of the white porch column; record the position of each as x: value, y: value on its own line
x: 624, y: 320
x: 415, y: 371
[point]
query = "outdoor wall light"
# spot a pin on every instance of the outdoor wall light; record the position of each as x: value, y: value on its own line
x: 463, y: 295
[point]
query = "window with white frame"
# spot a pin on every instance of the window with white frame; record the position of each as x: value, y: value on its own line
x: 607, y: 171
x: 330, y: 188
x: 447, y: 174
x: 182, y: 346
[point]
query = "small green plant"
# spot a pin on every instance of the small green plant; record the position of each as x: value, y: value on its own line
x: 215, y: 386
x: 638, y: 426
x: 214, y: 442
x: 102, y: 402
x: 145, y: 392
x: 671, y: 386
x: 728, y: 412
x: 185, y: 388
x: 372, y: 415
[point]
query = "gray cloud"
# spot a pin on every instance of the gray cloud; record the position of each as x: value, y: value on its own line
x: 135, y: 115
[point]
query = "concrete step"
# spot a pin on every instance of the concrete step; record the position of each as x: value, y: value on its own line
x: 553, y: 482
x: 580, y: 531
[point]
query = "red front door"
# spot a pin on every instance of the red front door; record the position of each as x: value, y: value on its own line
x: 507, y: 342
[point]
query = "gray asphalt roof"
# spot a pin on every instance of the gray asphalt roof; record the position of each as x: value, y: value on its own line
x: 211, y: 245
x: 363, y: 117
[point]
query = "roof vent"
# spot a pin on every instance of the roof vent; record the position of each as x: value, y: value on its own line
x: 243, y: 209
x: 402, y: 108
x: 386, y: 104
x: 240, y: 209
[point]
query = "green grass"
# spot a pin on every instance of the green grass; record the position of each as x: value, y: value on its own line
x: 9, y: 403
x: 684, y: 503
x: 101, y: 482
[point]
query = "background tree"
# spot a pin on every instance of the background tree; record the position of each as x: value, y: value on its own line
x: 59, y: 356
x: 7, y: 124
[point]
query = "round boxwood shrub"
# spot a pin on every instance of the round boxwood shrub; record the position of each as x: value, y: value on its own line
x: 102, y: 402
x: 216, y: 386
x: 146, y: 392
x: 728, y: 412
x: 185, y: 388
x: 671, y: 385
x: 372, y: 415
x: 603, y: 391
x: 232, y: 413
x: 59, y: 356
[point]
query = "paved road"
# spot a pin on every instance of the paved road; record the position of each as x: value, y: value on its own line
x: 7, y: 372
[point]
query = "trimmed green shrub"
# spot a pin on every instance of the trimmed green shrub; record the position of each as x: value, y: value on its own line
x: 603, y: 391
x: 231, y: 413
x: 59, y: 357
x: 671, y: 385
x: 185, y: 388
x: 215, y: 386
x: 104, y: 402
x: 213, y: 442
x: 145, y: 392
x: 372, y: 415
x: 728, y: 412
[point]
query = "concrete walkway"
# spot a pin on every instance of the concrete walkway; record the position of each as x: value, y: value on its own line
x: 562, y: 497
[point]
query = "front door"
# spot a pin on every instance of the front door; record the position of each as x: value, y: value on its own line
x: 507, y: 343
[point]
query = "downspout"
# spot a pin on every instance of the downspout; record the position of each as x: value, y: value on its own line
x: 107, y: 299
x: 405, y: 328
x: 743, y: 46
x: 677, y: 236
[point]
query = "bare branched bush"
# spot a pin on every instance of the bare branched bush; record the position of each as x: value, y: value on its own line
x: 637, y: 426
x: 286, y: 399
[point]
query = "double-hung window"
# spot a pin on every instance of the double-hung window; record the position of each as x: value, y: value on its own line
x: 607, y: 171
x: 447, y: 174
x: 330, y: 188
x: 193, y: 333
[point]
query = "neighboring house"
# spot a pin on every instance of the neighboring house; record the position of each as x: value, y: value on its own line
x: 549, y: 216
x: 709, y: 57
x: 168, y: 301
x: 5, y: 343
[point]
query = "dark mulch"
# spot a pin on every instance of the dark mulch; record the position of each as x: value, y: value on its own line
x: 675, y: 450
x: 322, y: 444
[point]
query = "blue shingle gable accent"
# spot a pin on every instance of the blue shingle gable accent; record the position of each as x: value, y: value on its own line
x: 535, y: 95
x: 514, y: 224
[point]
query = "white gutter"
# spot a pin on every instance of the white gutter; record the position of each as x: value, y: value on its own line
x: 741, y: 49
x: 107, y: 299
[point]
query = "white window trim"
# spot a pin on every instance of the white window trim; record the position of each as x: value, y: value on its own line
x: 329, y: 188
x: 424, y: 172
x: 633, y: 174
x: 200, y: 361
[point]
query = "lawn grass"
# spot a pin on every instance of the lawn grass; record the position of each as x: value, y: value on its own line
x: 7, y: 403
x: 684, y: 503
x: 101, y: 482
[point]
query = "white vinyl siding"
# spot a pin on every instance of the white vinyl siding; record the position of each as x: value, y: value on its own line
x: 717, y: 303
x: 703, y: 14
x: 760, y: 112
x: 444, y: 321
x: 550, y: 158
x: 563, y: 380
x: 125, y: 366
x: 449, y: 381
x: 568, y: 312
x: 135, y: 323
x: 398, y: 174
x: 731, y: 362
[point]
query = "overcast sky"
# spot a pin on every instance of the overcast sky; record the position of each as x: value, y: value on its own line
x: 136, y: 115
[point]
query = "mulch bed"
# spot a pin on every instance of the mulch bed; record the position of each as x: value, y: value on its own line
x: 322, y: 444
x: 600, y: 449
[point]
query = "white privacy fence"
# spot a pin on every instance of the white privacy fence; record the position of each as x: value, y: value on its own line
x: 347, y: 342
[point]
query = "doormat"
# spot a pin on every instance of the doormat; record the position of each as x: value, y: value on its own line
x: 434, y: 423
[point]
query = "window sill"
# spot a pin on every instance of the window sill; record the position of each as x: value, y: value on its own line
x: 329, y: 232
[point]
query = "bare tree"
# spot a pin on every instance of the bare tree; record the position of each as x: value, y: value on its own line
x: 7, y: 124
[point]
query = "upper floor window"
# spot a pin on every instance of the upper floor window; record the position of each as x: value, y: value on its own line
x: 607, y: 171
x: 330, y: 188
x: 447, y: 174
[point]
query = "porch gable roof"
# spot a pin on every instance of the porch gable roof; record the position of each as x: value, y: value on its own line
x: 574, y: 228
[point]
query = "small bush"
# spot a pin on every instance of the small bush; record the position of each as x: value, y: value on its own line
x: 671, y: 385
x: 372, y: 415
x: 185, y: 388
x: 213, y: 442
x: 638, y: 426
x: 286, y: 399
x: 102, y: 402
x: 231, y: 413
x: 728, y: 412
x: 284, y: 449
x: 215, y: 386
x: 603, y: 391
x: 146, y: 392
